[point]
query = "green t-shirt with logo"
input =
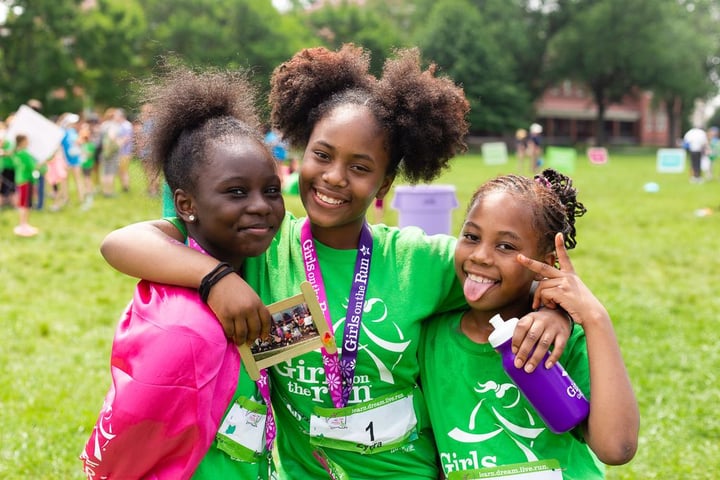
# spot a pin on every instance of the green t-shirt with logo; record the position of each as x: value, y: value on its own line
x: 479, y: 417
x: 411, y: 277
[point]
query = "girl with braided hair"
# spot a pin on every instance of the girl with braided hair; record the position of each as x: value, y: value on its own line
x: 358, y: 415
x: 515, y: 229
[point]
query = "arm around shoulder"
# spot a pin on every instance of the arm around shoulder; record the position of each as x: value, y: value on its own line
x: 155, y: 251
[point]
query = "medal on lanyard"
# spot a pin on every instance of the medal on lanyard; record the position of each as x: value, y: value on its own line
x: 340, y: 373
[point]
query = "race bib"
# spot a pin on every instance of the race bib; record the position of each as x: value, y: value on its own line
x: 370, y: 427
x: 540, y: 470
x: 242, y: 432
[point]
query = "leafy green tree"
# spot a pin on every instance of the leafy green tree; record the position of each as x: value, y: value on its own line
x: 608, y: 45
x: 364, y: 25
x: 227, y: 33
x: 455, y: 36
x: 36, y: 48
x: 685, y: 63
x: 108, y: 49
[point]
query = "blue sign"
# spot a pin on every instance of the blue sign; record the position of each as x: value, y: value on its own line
x: 671, y: 160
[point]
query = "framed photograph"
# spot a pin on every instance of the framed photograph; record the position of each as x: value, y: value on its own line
x: 298, y: 326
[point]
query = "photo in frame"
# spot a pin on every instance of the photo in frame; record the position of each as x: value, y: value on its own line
x: 298, y: 326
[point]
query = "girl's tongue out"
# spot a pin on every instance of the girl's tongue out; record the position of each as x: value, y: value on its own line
x: 475, y: 287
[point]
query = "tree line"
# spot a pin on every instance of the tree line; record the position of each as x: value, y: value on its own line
x: 77, y: 55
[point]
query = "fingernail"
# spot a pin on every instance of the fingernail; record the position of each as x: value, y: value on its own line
x: 548, y: 365
x: 518, y: 363
x: 529, y: 367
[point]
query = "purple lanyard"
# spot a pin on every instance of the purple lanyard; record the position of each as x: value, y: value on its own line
x: 263, y: 383
x: 340, y: 375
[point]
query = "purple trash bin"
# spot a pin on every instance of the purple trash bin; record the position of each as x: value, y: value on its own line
x: 426, y: 206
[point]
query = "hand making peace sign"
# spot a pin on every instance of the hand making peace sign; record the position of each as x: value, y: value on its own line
x: 562, y: 287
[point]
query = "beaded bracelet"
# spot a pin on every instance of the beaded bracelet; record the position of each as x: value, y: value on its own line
x: 221, y: 270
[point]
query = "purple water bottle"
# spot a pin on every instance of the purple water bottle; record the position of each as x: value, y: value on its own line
x: 552, y: 392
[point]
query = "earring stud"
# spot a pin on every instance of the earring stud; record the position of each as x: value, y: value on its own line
x: 191, y: 218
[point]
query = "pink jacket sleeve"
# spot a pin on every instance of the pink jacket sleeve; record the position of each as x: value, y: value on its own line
x: 173, y: 375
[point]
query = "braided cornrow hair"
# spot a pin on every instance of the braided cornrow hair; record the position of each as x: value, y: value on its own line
x: 562, y: 185
x: 552, y: 198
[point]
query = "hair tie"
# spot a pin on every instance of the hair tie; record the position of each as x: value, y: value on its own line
x: 543, y: 181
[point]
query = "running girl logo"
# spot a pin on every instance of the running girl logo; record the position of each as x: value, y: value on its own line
x: 374, y: 314
x: 501, y: 401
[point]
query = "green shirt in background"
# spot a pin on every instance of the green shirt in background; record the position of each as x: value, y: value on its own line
x: 88, y: 155
x: 6, y: 159
x: 24, y: 166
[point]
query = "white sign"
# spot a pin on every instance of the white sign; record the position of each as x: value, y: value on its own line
x: 43, y: 135
x: 494, y: 153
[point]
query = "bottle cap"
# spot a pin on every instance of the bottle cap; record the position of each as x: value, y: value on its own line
x: 503, y: 330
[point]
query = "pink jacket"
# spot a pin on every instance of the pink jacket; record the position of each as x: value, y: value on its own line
x: 173, y: 375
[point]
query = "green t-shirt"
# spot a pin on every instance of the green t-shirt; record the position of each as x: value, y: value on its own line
x: 216, y: 464
x: 6, y: 158
x: 479, y: 417
x: 411, y: 277
x: 24, y: 165
x: 88, y: 155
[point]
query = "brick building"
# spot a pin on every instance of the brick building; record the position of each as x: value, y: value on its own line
x: 567, y: 113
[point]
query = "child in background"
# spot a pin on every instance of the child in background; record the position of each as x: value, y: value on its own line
x: 175, y: 375
x: 87, y: 164
x: 514, y: 231
x: 713, y: 150
x: 56, y: 180
x: 358, y: 133
x: 25, y: 164
x: 535, y: 147
x: 521, y: 151
x: 73, y: 155
x: 7, y: 169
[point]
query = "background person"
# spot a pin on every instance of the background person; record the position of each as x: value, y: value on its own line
x: 125, y: 138
x: 535, y: 147
x: 521, y: 151
x: 25, y: 164
x: 7, y: 169
x: 73, y: 154
x: 695, y: 142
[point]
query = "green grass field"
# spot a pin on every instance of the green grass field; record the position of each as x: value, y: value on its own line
x: 648, y: 256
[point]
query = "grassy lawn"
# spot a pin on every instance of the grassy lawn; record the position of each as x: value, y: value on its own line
x: 648, y: 256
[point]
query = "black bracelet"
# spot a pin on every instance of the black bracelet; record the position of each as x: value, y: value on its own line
x: 221, y: 270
